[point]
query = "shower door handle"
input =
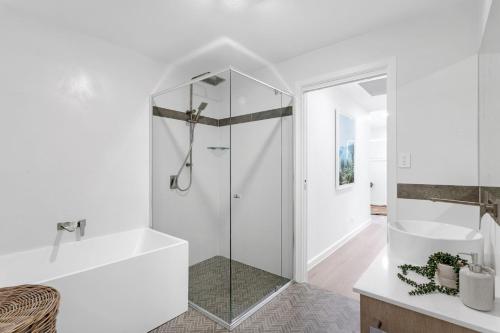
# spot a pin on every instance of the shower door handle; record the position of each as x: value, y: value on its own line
x: 236, y: 196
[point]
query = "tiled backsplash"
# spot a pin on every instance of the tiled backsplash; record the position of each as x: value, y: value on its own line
x: 262, y: 115
x: 428, y: 191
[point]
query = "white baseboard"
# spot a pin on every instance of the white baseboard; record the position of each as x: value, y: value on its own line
x: 335, y: 246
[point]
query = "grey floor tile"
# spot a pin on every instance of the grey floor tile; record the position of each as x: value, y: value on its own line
x: 300, y: 308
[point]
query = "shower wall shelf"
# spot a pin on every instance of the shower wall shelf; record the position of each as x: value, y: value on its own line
x: 218, y: 148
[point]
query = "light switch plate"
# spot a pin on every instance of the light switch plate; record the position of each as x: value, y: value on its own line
x: 404, y: 160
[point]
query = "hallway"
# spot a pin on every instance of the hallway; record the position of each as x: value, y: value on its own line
x: 342, y: 269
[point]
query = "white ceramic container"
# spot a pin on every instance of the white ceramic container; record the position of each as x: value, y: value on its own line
x: 414, y: 241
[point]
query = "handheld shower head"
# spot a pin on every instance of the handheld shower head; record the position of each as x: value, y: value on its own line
x: 202, y: 107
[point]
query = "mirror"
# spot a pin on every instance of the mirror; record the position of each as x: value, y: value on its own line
x: 489, y: 135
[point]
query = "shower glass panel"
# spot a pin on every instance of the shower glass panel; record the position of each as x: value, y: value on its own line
x: 197, y: 214
x: 257, y: 163
x: 222, y: 177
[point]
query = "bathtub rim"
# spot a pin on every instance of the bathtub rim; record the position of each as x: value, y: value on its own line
x: 178, y: 242
x: 393, y: 227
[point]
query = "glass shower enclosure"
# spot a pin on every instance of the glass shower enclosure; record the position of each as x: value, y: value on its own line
x: 222, y: 179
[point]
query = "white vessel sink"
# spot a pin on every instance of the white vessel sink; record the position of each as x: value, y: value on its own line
x: 414, y: 241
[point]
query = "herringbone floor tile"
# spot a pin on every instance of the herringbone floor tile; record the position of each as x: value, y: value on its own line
x: 227, y: 288
x: 300, y: 308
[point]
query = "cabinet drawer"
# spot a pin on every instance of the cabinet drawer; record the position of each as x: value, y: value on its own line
x: 394, y: 319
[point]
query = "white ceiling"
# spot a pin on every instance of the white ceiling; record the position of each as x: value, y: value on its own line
x: 491, y: 39
x: 275, y: 30
x: 361, y: 97
x: 375, y: 87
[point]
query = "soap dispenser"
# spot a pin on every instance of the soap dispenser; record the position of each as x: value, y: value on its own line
x: 477, y: 285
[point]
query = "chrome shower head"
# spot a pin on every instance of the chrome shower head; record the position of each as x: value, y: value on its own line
x: 202, y: 106
x: 213, y: 80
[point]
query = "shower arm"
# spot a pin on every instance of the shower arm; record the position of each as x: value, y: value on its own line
x: 490, y: 208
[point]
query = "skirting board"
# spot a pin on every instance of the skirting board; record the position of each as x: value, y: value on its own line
x: 335, y: 246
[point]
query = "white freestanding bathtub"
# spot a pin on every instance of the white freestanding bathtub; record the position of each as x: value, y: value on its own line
x: 414, y: 241
x: 130, y: 281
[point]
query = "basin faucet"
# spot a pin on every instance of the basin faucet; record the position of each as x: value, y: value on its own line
x: 72, y: 226
x: 490, y: 207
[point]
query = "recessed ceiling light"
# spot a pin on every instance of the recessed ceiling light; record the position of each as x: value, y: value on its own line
x: 375, y: 87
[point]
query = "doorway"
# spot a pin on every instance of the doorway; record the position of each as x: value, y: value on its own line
x: 346, y: 135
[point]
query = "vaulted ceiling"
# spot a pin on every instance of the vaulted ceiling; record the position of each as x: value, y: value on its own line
x: 274, y: 30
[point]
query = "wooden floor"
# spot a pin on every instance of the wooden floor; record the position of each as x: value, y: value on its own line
x: 342, y: 269
x: 379, y: 210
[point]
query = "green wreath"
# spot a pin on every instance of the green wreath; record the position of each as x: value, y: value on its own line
x: 429, y: 271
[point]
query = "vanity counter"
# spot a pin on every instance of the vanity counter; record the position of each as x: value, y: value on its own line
x: 380, y: 282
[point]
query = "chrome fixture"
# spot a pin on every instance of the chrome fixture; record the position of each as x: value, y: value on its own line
x: 490, y: 207
x: 213, y: 80
x: 72, y: 226
x: 193, y: 118
x: 474, y: 266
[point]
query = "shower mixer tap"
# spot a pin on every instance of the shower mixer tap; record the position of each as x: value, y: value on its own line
x: 72, y: 226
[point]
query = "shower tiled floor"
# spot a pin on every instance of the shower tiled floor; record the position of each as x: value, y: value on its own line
x: 210, y: 289
x: 300, y: 308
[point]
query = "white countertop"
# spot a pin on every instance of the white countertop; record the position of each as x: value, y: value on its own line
x: 379, y: 281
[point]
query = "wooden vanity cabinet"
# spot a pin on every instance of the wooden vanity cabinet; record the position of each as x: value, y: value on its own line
x: 394, y: 319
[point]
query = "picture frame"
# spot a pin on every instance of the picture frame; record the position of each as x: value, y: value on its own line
x: 345, y: 150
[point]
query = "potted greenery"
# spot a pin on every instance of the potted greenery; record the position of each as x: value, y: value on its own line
x: 440, y: 264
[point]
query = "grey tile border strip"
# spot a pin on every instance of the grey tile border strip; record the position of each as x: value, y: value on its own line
x: 262, y: 115
x: 491, y: 195
x: 173, y: 114
x: 493, y: 191
x: 168, y: 113
x: 209, y: 121
x: 428, y: 191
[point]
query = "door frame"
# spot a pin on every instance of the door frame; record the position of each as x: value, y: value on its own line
x: 386, y: 66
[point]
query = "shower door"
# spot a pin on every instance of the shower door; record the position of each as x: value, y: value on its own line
x: 261, y: 187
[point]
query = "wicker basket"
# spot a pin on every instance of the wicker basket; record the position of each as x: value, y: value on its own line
x: 28, y: 308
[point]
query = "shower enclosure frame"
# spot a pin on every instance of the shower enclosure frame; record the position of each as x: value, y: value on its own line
x: 241, y: 317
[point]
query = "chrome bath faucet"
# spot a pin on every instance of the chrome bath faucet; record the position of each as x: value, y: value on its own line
x: 72, y: 226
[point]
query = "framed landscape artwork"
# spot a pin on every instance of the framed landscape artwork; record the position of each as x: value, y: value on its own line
x: 345, y: 142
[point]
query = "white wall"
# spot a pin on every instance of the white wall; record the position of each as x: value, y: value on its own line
x: 377, y: 164
x: 439, y: 128
x: 489, y: 118
x: 261, y: 173
x: 62, y: 92
x: 333, y: 214
x: 73, y: 133
x: 259, y: 234
x: 196, y: 215
x: 489, y: 71
x: 436, y: 97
